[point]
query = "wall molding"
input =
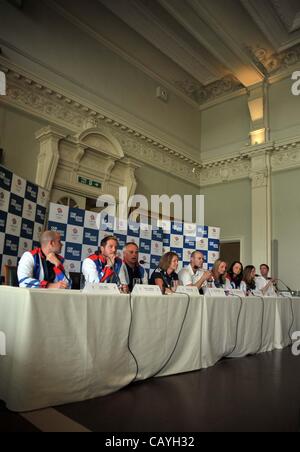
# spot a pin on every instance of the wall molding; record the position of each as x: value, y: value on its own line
x: 41, y: 100
x: 54, y: 105
x: 102, y: 105
x: 284, y: 156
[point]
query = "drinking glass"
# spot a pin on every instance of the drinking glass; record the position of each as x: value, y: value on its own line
x: 136, y: 281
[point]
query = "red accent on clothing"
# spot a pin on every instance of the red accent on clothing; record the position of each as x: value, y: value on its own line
x: 58, y: 270
x: 43, y: 284
x: 36, y: 251
x: 108, y: 272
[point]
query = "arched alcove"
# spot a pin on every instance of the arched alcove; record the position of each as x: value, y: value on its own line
x: 106, y: 144
x: 87, y: 165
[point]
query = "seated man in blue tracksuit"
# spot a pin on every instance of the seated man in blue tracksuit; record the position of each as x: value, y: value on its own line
x: 43, y: 267
x: 131, y: 271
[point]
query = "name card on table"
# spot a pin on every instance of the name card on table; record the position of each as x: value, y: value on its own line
x: 213, y: 292
x: 104, y: 289
x: 188, y: 290
x: 144, y: 289
x: 285, y: 294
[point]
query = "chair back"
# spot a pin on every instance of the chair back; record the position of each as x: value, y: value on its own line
x: 10, y: 276
x: 76, y: 280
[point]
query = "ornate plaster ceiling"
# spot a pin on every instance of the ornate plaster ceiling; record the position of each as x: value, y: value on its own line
x: 201, y: 49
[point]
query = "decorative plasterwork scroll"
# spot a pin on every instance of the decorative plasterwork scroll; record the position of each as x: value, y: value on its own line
x: 227, y: 170
x: 202, y: 94
x: 272, y: 63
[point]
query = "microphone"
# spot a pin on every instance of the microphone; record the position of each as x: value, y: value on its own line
x: 62, y: 269
x: 68, y: 279
x: 142, y: 262
x: 119, y: 284
x: 287, y: 287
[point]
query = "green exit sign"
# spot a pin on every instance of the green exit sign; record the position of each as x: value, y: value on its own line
x: 89, y: 182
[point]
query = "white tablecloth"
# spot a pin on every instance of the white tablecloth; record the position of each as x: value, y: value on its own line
x: 65, y: 346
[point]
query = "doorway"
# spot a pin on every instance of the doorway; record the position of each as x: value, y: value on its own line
x: 230, y: 252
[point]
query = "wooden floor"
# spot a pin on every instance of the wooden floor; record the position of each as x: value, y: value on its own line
x: 258, y: 393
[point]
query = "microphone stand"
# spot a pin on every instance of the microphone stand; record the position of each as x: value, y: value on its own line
x: 119, y: 284
x: 287, y: 287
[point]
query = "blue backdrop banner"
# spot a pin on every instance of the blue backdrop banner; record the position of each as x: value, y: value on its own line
x: 82, y: 232
x: 23, y: 207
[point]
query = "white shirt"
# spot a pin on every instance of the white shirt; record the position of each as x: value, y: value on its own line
x: 261, y: 282
x: 90, y: 272
x: 124, y: 277
x: 187, y: 276
x: 255, y: 292
x: 226, y: 286
x: 26, y: 273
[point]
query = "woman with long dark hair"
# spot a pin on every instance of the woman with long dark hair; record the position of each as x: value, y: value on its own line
x: 235, y: 275
x: 248, y: 284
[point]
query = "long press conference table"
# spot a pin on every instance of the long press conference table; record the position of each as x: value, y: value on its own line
x: 69, y: 346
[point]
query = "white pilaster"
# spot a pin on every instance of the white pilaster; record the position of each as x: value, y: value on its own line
x: 261, y: 207
x: 48, y: 158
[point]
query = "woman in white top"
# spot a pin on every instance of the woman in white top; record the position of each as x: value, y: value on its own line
x: 251, y: 283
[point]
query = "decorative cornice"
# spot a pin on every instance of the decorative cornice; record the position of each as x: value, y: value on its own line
x: 101, y: 105
x: 203, y: 94
x: 286, y: 156
x: 225, y: 172
x: 273, y: 63
x: 35, y: 97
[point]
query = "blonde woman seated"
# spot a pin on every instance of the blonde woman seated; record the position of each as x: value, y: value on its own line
x: 219, y: 280
x: 165, y: 275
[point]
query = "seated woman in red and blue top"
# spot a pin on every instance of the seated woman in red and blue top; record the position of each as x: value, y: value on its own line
x: 43, y: 268
x: 104, y: 266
